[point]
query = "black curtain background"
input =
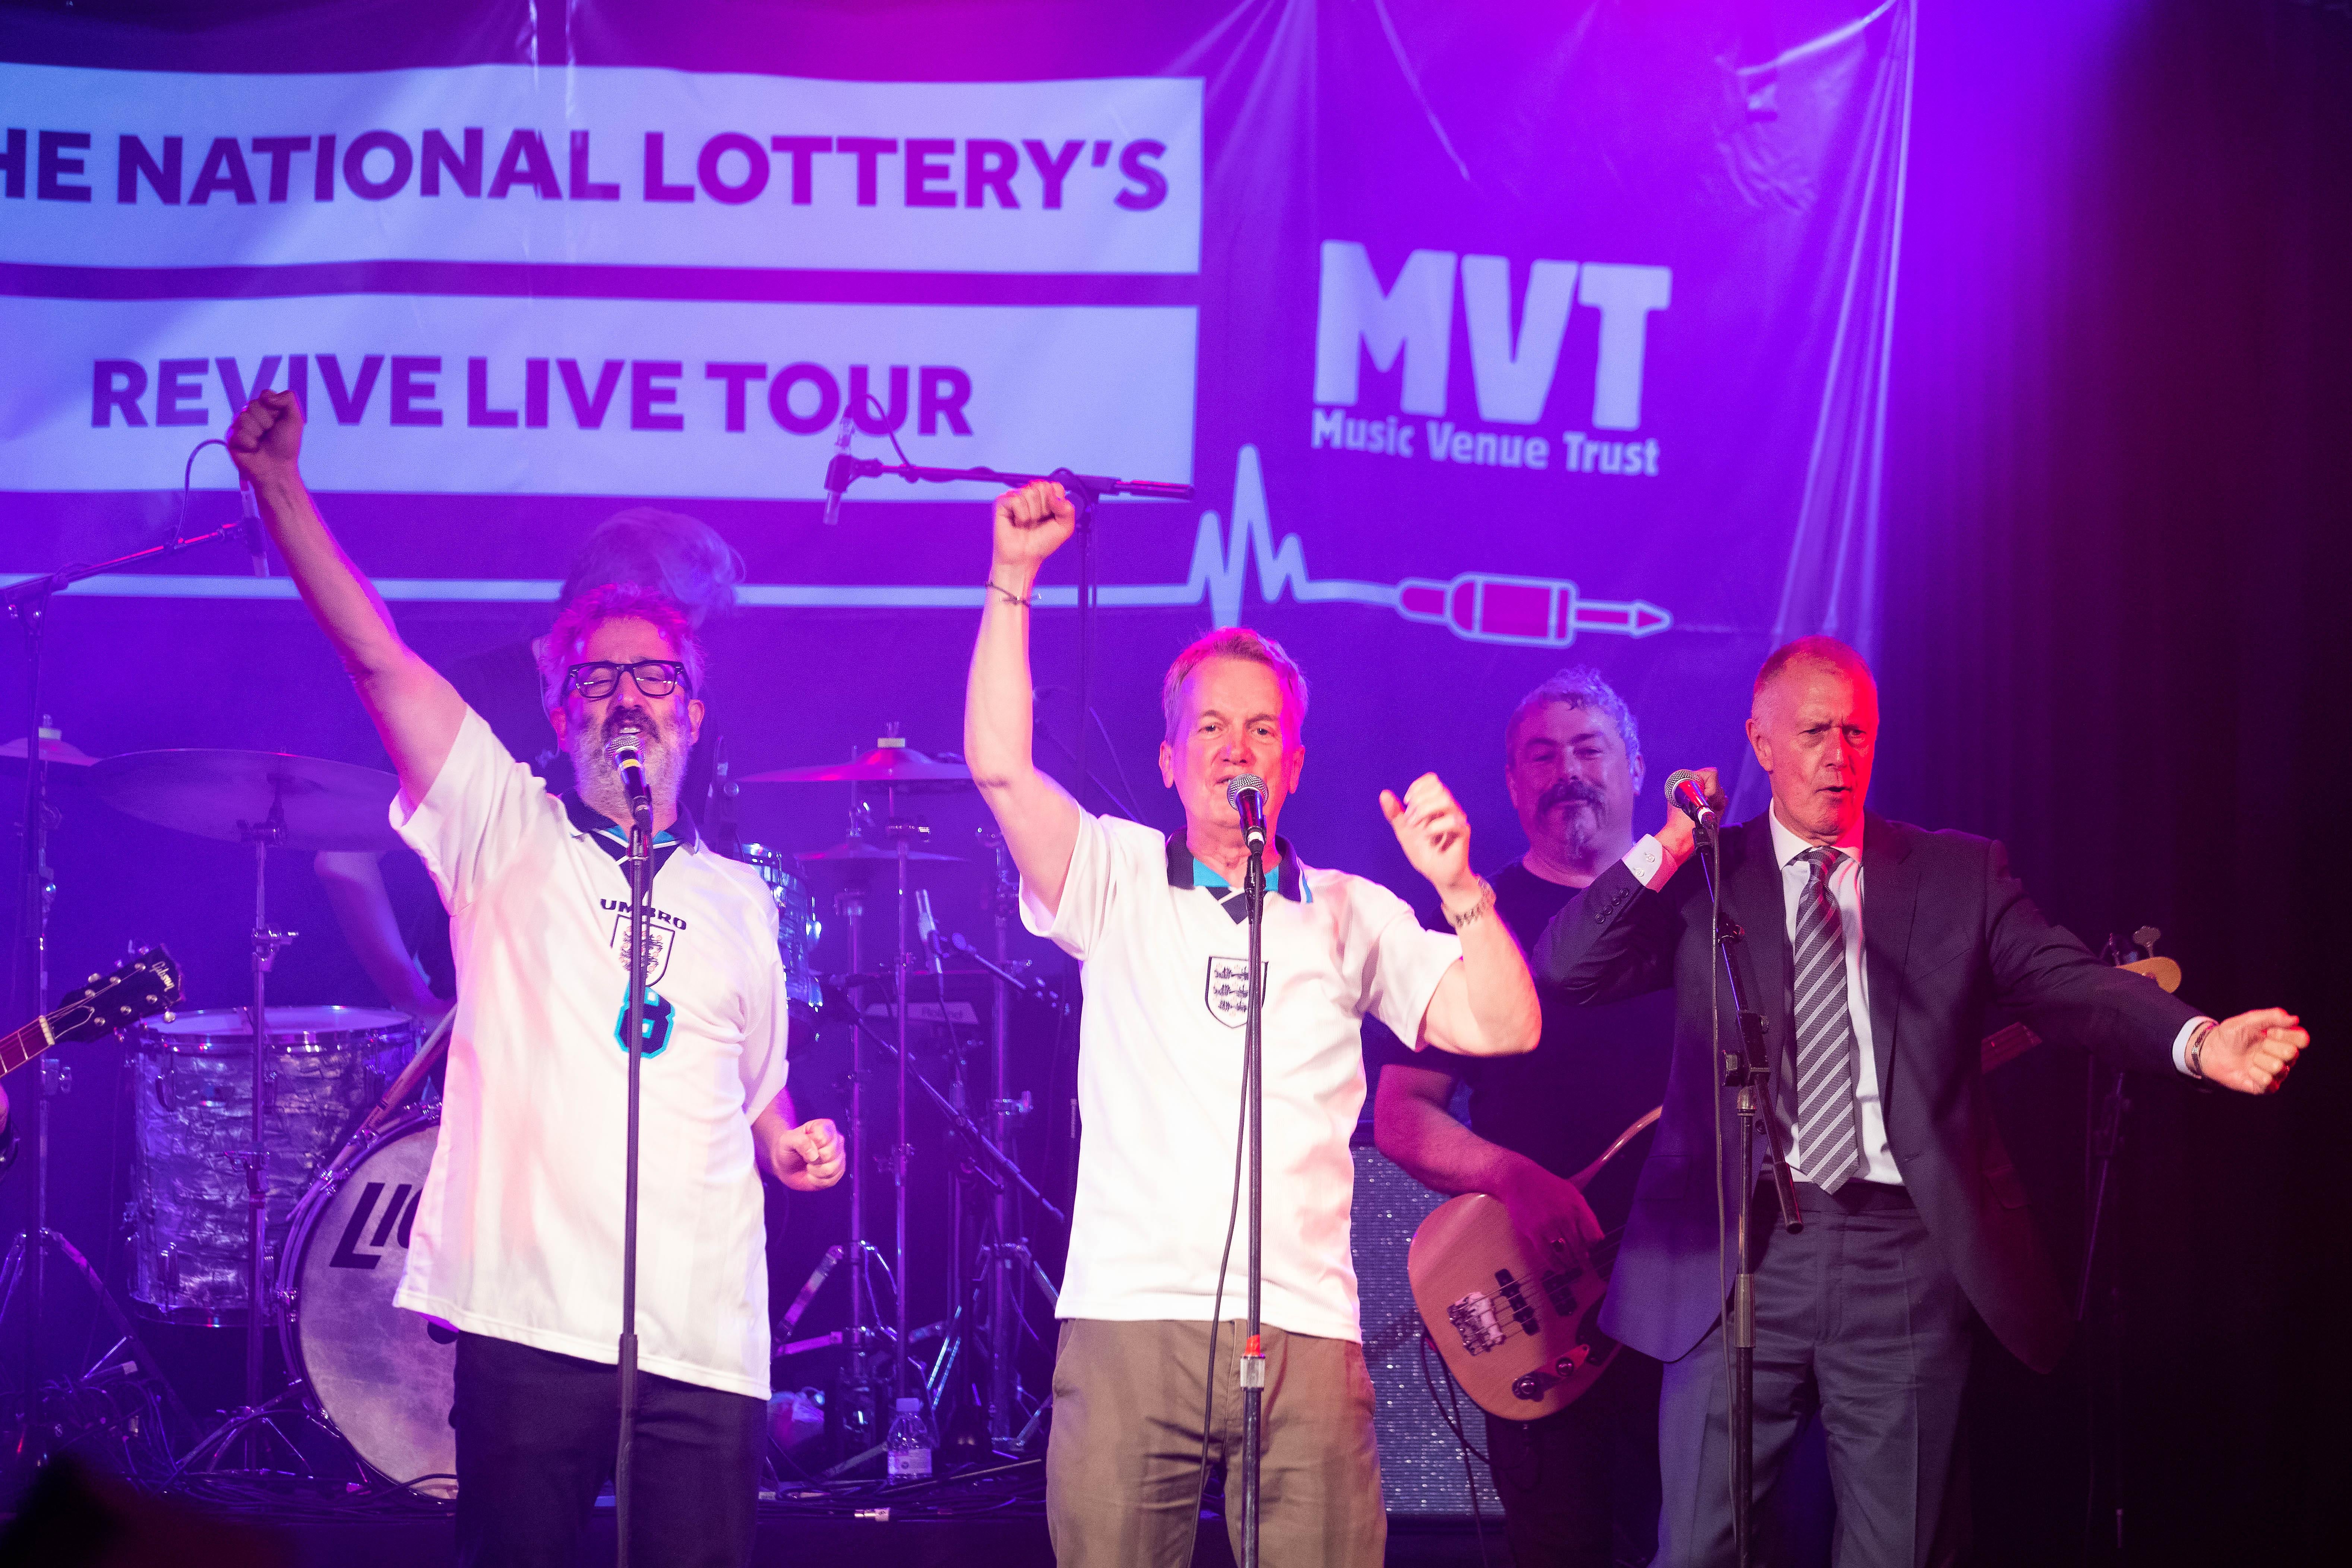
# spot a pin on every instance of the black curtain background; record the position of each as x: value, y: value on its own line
x: 2116, y: 515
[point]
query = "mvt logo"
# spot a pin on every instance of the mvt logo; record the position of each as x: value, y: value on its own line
x: 1407, y: 327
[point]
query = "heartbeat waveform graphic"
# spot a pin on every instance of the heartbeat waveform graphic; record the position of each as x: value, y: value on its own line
x: 1477, y: 607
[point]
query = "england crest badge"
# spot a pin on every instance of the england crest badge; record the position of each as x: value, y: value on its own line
x: 1227, y: 990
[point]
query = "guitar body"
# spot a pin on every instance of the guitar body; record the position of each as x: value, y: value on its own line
x: 1521, y: 1335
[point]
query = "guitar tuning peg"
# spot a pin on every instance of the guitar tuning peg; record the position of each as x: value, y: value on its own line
x: 93, y: 977
x: 167, y: 1014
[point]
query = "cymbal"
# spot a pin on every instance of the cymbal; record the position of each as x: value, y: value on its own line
x: 67, y: 770
x: 55, y: 753
x: 851, y: 851
x: 218, y: 793
x: 883, y: 764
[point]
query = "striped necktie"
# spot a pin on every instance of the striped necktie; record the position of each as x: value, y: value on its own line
x: 1828, y: 1112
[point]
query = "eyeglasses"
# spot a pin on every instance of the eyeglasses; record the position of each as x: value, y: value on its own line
x: 655, y: 678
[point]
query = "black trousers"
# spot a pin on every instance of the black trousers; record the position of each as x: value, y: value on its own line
x: 1861, y: 1325
x: 537, y: 1433
x: 1580, y: 1487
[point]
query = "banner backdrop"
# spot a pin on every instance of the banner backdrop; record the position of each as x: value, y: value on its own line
x: 1493, y: 337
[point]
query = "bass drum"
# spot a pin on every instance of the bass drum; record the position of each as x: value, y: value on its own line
x: 381, y: 1375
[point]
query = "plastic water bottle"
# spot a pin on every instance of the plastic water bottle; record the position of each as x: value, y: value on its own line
x: 909, y: 1443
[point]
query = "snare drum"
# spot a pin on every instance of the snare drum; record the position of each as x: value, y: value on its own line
x: 191, y: 1115
x: 382, y: 1376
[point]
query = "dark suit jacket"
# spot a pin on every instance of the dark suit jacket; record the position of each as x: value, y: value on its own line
x: 1946, y: 931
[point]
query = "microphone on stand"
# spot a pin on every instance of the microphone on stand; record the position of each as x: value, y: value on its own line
x: 622, y: 754
x: 250, y: 527
x: 927, y: 930
x: 837, y: 473
x: 1246, y: 794
x: 1683, y: 794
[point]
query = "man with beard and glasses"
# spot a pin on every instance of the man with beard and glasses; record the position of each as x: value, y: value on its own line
x: 1579, y: 1487
x: 387, y: 913
x: 517, y: 1237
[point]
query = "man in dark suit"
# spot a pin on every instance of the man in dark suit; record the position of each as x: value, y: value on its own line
x: 1875, y: 948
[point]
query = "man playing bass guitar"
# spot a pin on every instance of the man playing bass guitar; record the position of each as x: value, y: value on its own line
x: 1579, y: 1487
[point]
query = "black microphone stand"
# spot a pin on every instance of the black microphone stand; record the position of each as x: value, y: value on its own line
x: 640, y: 868
x: 1749, y: 1070
x: 1253, y: 1356
x: 28, y: 603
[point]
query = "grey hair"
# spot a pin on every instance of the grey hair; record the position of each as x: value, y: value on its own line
x: 1232, y: 642
x: 1578, y: 686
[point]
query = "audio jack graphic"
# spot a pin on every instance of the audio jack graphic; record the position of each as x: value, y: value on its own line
x: 1477, y: 607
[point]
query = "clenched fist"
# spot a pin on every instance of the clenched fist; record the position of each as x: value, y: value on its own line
x: 266, y: 438
x: 1031, y: 523
x: 1435, y: 837
x: 808, y: 1158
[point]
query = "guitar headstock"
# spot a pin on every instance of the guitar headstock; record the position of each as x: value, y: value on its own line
x: 139, y: 988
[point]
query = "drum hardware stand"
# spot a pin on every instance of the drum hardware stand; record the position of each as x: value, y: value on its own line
x: 858, y: 1415
x: 1008, y: 1261
x: 244, y: 1428
x: 29, y: 602
x: 993, y: 1159
x: 1749, y: 1070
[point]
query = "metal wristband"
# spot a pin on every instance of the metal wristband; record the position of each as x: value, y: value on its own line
x: 1476, y: 910
x: 2196, y: 1053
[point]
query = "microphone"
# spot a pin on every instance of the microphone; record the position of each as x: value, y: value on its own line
x: 837, y: 473
x: 622, y: 754
x: 927, y: 930
x: 250, y: 527
x: 1246, y: 794
x: 1683, y: 794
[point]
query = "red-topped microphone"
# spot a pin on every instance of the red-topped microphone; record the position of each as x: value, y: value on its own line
x: 1684, y: 794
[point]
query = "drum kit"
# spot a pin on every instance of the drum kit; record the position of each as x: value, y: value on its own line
x: 289, y: 1176
x: 887, y: 856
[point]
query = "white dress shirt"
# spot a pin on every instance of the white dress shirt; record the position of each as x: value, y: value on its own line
x: 1647, y: 861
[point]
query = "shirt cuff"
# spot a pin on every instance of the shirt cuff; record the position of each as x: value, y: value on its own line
x: 1646, y: 860
x: 2180, y: 1043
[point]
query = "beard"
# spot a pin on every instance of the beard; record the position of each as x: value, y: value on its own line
x: 599, y: 782
x: 1580, y: 810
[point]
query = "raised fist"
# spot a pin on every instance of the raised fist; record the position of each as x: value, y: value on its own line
x: 268, y: 437
x: 1031, y: 524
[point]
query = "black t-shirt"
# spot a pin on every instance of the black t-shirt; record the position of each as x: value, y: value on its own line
x: 1592, y: 1075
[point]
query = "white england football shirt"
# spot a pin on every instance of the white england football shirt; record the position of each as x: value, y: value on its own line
x: 1160, y: 1074
x: 517, y: 1233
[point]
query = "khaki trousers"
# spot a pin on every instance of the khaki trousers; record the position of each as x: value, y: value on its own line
x: 1123, y: 1464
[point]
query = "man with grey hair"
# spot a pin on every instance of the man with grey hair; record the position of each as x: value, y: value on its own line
x: 1145, y: 1375
x: 1580, y: 1487
x: 1874, y: 950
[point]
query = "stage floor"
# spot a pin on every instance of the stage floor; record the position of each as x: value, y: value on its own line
x: 1001, y: 1542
